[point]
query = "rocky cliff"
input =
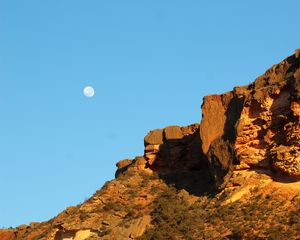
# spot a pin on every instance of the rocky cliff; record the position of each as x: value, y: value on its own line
x: 255, y: 126
x: 233, y: 176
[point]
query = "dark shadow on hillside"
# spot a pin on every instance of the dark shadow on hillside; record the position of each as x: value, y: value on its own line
x: 197, y: 183
x: 182, y: 164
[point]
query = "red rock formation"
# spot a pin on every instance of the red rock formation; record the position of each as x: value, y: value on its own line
x: 7, y: 235
x: 255, y: 126
x: 168, y: 150
x: 175, y: 154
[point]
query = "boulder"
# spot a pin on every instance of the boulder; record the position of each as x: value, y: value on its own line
x: 152, y: 148
x: 123, y: 163
x: 135, y: 229
x: 122, y: 166
x: 154, y: 137
x: 173, y: 133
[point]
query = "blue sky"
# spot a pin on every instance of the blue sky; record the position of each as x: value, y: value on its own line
x: 150, y: 62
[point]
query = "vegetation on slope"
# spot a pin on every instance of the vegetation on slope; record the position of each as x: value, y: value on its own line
x: 261, y: 217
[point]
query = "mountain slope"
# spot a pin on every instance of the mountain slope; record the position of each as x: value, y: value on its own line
x: 233, y: 176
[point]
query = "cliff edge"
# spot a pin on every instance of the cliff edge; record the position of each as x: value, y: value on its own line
x: 233, y: 176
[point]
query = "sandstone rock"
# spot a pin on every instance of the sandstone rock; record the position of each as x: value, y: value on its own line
x: 190, y: 129
x: 122, y: 166
x: 7, y: 235
x: 180, y: 151
x: 152, y: 148
x: 136, y: 228
x: 287, y: 159
x: 254, y: 121
x: 123, y: 163
x: 140, y: 161
x: 139, y: 227
x: 214, y: 118
x: 22, y: 229
x: 74, y: 235
x: 154, y: 137
x: 150, y: 157
x: 173, y: 133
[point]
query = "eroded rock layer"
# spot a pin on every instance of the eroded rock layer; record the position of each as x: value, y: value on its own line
x: 255, y: 126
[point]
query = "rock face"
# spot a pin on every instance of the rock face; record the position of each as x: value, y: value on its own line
x: 248, y: 138
x: 175, y: 154
x: 168, y: 150
x: 177, y: 148
x: 255, y: 126
x: 7, y: 235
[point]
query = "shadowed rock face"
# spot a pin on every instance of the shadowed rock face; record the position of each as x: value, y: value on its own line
x: 168, y: 150
x: 178, y: 149
x: 255, y: 126
x: 175, y: 154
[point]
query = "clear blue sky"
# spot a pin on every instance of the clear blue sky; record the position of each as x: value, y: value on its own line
x: 150, y: 62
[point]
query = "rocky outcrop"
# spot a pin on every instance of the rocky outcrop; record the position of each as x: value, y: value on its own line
x: 168, y: 150
x: 75, y: 235
x: 255, y: 126
x: 176, y: 149
x: 247, y: 144
x: 175, y: 154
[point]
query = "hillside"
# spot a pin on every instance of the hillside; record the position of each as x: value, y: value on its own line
x: 235, y: 175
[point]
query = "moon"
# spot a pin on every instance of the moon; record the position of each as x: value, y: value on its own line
x: 89, y: 91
